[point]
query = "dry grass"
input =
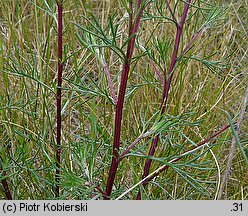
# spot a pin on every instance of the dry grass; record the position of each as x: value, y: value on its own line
x: 27, y: 103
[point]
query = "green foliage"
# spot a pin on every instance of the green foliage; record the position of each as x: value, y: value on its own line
x: 208, y: 78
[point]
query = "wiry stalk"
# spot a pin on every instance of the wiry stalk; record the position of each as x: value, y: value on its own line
x: 187, y: 152
x: 110, y: 83
x: 5, y: 183
x: 58, y: 98
x: 166, y: 87
x: 232, y: 148
x: 161, y: 169
x: 120, y: 101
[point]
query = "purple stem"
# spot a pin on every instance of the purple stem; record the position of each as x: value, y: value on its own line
x: 120, y: 101
x: 170, y: 9
x: 191, y: 41
x: 133, y: 144
x: 160, y: 78
x: 6, y: 188
x: 166, y: 90
x: 58, y: 97
x: 177, y: 159
x: 110, y: 83
x: 5, y: 184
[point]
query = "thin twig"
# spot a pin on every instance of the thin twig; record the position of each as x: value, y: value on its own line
x: 134, y: 144
x: 232, y: 149
x: 160, y: 78
x: 166, y: 88
x: 191, y: 41
x: 5, y: 183
x: 110, y: 83
x: 161, y: 169
x: 189, y: 151
x: 171, y: 12
x: 120, y: 101
x: 58, y: 97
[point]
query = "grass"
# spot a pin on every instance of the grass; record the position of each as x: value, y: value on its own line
x: 209, y: 80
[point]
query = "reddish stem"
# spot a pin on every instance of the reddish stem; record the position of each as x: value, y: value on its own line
x: 5, y: 184
x: 159, y: 76
x: 177, y: 159
x: 171, y: 12
x: 123, y: 154
x: 119, y: 106
x: 58, y: 97
x: 191, y: 41
x: 166, y: 89
x: 110, y: 83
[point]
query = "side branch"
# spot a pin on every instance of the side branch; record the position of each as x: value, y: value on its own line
x: 161, y: 169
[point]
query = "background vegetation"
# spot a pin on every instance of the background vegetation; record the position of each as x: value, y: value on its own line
x: 209, y: 82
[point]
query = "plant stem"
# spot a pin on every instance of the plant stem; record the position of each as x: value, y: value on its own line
x: 110, y: 83
x: 166, y: 88
x: 123, y: 154
x: 6, y: 188
x: 120, y: 102
x: 191, y: 41
x: 58, y: 98
x: 171, y: 11
x: 187, y: 152
x: 161, y: 169
x: 232, y: 148
x: 5, y: 184
x: 160, y: 77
